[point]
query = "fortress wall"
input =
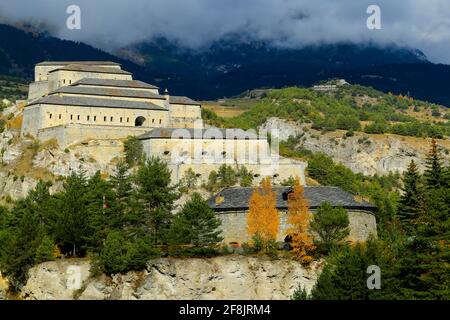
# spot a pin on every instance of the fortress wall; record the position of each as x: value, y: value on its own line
x: 362, y: 225
x: 37, y: 90
x: 41, y: 72
x: 185, y: 111
x: 61, y: 115
x: 243, y: 151
x: 62, y: 78
x: 75, y: 133
x: 283, y: 171
x: 155, y: 91
x: 158, y: 102
x: 32, y: 120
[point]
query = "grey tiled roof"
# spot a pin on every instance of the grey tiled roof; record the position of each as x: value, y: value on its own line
x: 90, y: 68
x: 237, y: 198
x: 182, y: 100
x: 115, y: 83
x: 158, y: 133
x: 95, y: 102
x: 62, y: 63
x: 117, y: 92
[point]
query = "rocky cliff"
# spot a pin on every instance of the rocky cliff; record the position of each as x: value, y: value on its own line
x: 363, y: 153
x: 226, y: 277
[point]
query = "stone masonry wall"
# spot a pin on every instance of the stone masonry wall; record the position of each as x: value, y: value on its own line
x: 361, y: 223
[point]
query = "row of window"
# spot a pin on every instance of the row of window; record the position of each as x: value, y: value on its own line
x: 64, y: 81
x: 105, y: 118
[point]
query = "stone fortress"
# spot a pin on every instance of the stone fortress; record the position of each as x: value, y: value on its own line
x: 78, y: 101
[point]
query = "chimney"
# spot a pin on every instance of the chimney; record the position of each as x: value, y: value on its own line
x: 166, y: 95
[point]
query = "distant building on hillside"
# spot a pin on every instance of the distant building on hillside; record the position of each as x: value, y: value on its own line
x: 330, y: 86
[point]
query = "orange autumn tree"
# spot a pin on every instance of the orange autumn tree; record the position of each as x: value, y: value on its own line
x: 263, y: 219
x: 299, y: 218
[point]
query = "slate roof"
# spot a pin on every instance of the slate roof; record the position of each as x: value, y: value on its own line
x: 164, y: 133
x: 95, y: 102
x: 182, y: 100
x: 90, y: 68
x: 109, y: 92
x: 237, y: 198
x: 115, y: 83
x: 59, y: 63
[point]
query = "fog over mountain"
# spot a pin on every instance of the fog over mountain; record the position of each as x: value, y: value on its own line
x: 112, y: 24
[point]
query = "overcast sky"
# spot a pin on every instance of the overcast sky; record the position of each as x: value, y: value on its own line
x: 423, y: 24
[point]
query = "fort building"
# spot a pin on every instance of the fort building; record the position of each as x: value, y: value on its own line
x: 232, y: 204
x: 77, y: 101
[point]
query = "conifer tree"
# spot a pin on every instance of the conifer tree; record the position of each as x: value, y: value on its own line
x: 411, y: 200
x: 71, y: 219
x: 155, y: 195
x: 433, y: 173
x: 196, y: 224
x: 331, y: 225
x: 124, y: 214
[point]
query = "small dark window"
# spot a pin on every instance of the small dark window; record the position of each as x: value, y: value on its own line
x: 59, y: 117
x: 78, y: 117
x: 160, y: 121
x: 88, y: 118
x: 128, y: 119
x: 71, y: 116
x: 50, y: 115
x: 166, y: 152
x: 120, y: 119
x: 153, y: 120
x: 112, y: 118
x: 95, y: 118
x: 104, y: 118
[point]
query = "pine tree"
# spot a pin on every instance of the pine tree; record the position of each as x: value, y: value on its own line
x: 299, y: 219
x: 263, y: 217
x: 100, y: 202
x: 71, y: 218
x: 196, y: 224
x: 433, y: 173
x: 155, y: 196
x: 45, y: 250
x: 331, y: 224
x: 411, y: 200
x: 124, y: 209
x: 133, y: 151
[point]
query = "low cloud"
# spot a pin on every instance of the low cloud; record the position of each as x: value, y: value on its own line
x: 111, y: 24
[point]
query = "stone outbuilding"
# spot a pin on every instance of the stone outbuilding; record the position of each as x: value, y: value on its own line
x: 232, y: 205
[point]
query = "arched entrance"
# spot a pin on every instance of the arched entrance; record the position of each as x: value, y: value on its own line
x: 139, y: 122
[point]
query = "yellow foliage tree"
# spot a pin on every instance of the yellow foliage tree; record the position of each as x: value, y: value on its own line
x: 299, y: 218
x: 263, y: 218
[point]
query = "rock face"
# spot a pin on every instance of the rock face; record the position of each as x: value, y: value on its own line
x: 3, y: 287
x: 363, y: 153
x: 226, y: 277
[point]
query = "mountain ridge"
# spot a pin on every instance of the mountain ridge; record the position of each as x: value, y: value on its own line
x: 231, y: 66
